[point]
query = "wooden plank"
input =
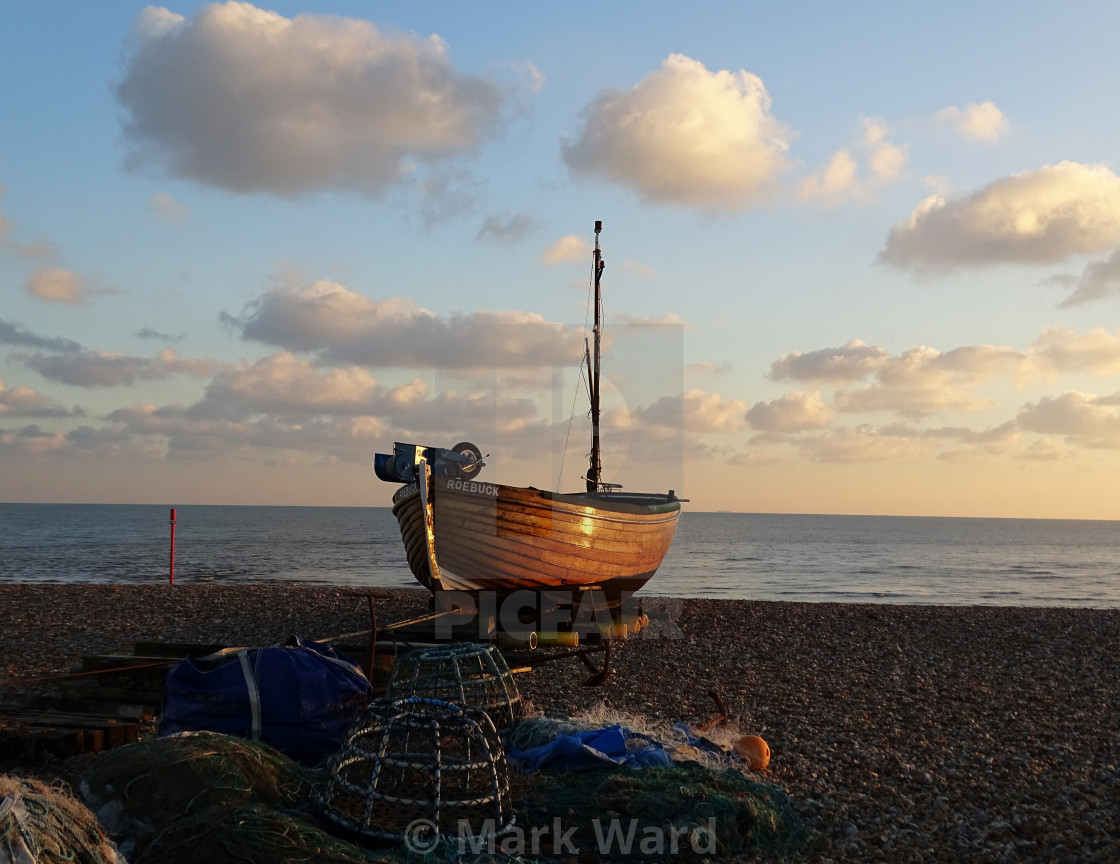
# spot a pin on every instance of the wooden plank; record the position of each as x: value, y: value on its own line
x: 28, y: 733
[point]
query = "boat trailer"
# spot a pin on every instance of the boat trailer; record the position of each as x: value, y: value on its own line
x: 525, y: 646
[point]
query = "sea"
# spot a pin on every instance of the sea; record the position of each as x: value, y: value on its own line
x: 803, y: 558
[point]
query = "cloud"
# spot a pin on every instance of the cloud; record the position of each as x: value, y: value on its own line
x: 167, y: 208
x: 262, y: 439
x: 1005, y: 433
x: 794, y: 412
x: 286, y: 385
x: 851, y: 362
x: 1099, y: 280
x: 56, y: 285
x: 861, y: 444
x: 1032, y: 218
x: 247, y: 100
x: 39, y: 250
x: 696, y: 412
x: 17, y: 334
x: 570, y: 248
x: 1044, y: 450
x: 922, y: 381
x: 979, y: 121
x: 1089, y: 420
x: 149, y: 333
x: 841, y: 178
x: 1063, y: 350
x: 706, y: 369
x: 684, y: 136
x: 835, y: 181
x: 31, y: 441
x: 512, y: 230
x: 255, y: 414
x: 346, y: 328
x: 113, y: 369
x: 25, y: 402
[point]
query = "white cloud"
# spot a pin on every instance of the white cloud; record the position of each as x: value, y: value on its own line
x: 56, y: 285
x: 1044, y: 450
x: 793, y: 412
x: 835, y: 181
x: 685, y: 136
x: 248, y: 100
x: 114, y: 369
x: 31, y: 441
x: 1035, y: 217
x: 696, y: 412
x: 284, y: 384
x: 851, y: 362
x: 884, y: 159
x: 861, y: 444
x: 346, y: 328
x: 1089, y: 420
x: 1063, y: 350
x: 842, y: 179
x: 1100, y: 279
x: 26, y: 402
x: 922, y: 381
x: 570, y: 248
x: 979, y: 121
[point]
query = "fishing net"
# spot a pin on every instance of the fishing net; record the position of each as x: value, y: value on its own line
x: 250, y: 832
x: 410, y: 763
x: 638, y: 812
x: 164, y: 778
x: 469, y: 674
x: 41, y: 824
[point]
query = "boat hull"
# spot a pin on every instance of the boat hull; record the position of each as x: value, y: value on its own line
x: 503, y: 539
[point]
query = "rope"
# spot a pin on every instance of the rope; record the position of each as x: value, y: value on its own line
x: 83, y: 674
x: 575, y: 393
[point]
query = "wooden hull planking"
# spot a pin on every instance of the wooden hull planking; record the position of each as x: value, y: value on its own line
x: 490, y: 537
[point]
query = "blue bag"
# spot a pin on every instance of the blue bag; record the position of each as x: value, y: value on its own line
x: 299, y: 697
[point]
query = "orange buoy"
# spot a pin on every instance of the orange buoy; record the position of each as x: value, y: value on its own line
x: 754, y: 750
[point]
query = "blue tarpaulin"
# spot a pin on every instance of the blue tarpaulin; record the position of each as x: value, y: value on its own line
x: 582, y: 751
x: 299, y: 697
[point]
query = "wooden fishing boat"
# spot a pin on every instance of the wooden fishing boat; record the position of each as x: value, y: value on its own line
x: 463, y: 534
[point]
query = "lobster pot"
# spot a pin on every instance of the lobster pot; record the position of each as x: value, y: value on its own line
x: 470, y: 674
x: 415, y: 759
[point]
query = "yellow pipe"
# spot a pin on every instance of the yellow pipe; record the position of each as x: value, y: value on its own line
x: 565, y: 638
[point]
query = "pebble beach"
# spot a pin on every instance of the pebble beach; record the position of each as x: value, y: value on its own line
x: 900, y: 733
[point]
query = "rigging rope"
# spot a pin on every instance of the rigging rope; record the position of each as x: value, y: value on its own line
x: 587, y: 381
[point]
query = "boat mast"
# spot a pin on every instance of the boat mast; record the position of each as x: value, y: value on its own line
x: 596, y: 467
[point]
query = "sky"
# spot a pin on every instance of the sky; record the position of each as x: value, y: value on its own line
x: 860, y: 258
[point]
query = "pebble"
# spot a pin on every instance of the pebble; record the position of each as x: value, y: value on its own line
x: 900, y: 733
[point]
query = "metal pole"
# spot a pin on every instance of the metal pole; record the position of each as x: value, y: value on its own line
x: 171, y: 577
x: 595, y: 470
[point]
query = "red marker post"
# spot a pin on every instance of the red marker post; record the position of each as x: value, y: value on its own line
x: 171, y: 578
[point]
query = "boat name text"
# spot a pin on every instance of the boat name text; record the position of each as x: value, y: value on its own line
x: 472, y: 486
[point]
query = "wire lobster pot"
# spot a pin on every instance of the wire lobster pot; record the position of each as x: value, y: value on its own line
x: 413, y: 768
x: 470, y: 674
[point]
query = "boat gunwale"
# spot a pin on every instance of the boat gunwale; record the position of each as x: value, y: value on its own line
x: 596, y: 501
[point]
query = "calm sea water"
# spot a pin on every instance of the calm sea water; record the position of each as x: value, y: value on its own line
x: 876, y: 559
